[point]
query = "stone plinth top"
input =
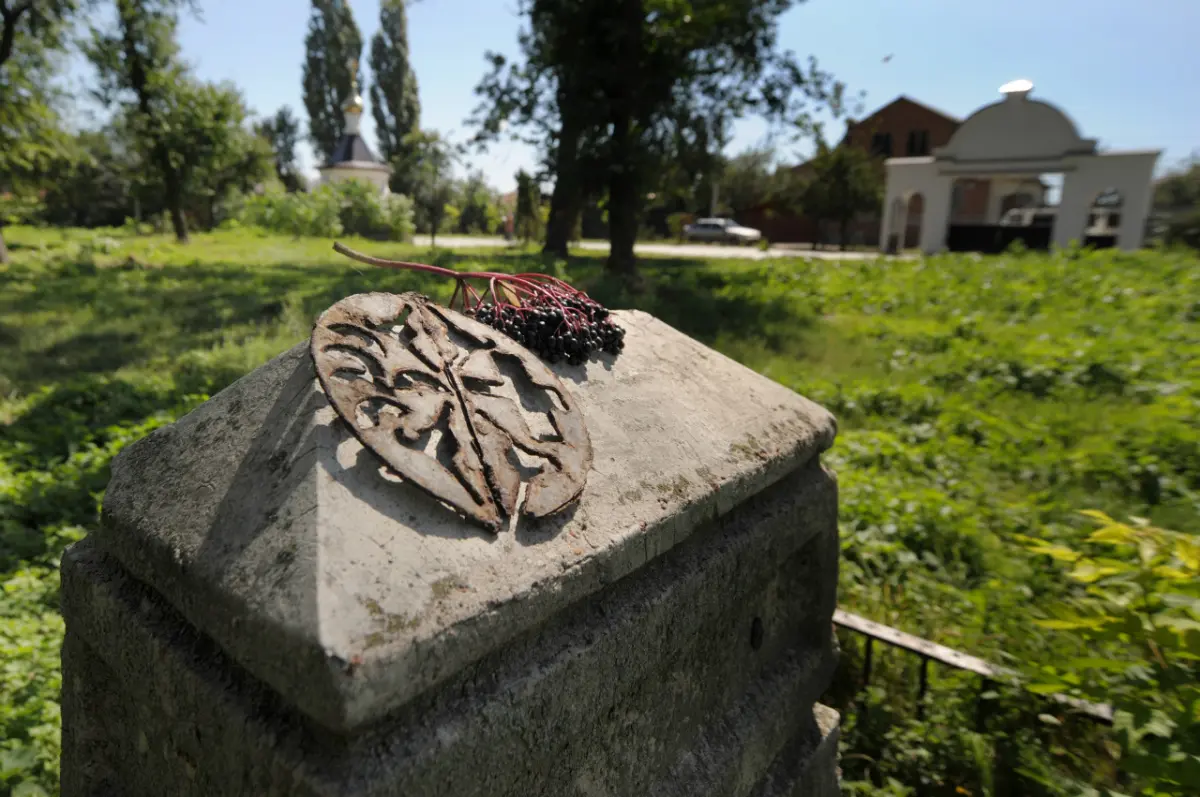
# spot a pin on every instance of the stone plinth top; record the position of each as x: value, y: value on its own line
x: 270, y: 528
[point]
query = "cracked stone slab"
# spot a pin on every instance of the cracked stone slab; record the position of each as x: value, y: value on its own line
x: 266, y: 524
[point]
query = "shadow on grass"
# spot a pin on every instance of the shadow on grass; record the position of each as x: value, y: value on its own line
x: 86, y: 326
x: 112, y: 318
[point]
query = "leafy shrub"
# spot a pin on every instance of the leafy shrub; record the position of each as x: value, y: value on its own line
x: 1184, y: 230
x: 349, y: 207
x: 1139, y: 597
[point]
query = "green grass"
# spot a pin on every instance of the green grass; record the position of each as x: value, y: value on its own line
x: 978, y: 399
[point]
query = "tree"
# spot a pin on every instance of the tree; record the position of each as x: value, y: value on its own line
x: 749, y: 180
x: 31, y: 139
x: 332, y: 48
x: 427, y: 168
x: 528, y: 220
x: 844, y: 182
x: 94, y: 187
x: 221, y: 156
x: 1177, y: 204
x: 630, y: 83
x: 394, y: 101
x: 1180, y: 187
x: 544, y: 101
x: 282, y: 132
x: 139, y: 68
x: 477, y: 206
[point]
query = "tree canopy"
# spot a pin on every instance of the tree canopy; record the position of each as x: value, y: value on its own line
x: 32, y: 142
x: 192, y: 134
x: 282, y: 131
x: 843, y: 182
x: 427, y: 164
x: 624, y: 89
x: 331, y: 52
x: 394, y: 101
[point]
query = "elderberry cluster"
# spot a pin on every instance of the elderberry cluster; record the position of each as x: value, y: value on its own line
x: 545, y: 330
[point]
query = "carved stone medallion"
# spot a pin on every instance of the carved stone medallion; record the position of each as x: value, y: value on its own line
x: 453, y: 406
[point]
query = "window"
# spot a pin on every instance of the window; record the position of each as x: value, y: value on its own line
x: 881, y: 144
x: 918, y: 143
x: 1114, y: 220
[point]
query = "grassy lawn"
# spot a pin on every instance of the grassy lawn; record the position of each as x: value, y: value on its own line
x: 979, y: 398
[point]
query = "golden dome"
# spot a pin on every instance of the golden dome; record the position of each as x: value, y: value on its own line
x: 355, y: 103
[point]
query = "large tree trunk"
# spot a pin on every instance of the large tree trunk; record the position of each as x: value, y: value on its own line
x: 624, y: 164
x: 844, y: 233
x: 3, y: 250
x: 566, y: 202
x: 623, y: 206
x: 175, y: 204
x: 139, y: 82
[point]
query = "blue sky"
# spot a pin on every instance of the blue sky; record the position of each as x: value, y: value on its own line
x: 1126, y: 71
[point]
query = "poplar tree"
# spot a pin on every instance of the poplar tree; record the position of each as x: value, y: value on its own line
x: 332, y: 48
x: 394, y: 101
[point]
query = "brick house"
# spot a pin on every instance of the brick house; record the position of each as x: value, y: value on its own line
x: 902, y: 128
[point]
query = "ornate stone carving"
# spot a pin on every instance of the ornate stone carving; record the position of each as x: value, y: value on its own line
x: 454, y: 407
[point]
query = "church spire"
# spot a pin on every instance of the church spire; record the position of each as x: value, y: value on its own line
x: 354, y: 105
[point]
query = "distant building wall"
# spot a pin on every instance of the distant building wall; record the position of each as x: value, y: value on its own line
x: 901, y: 128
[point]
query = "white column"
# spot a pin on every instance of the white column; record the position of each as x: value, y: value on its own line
x: 1137, y: 194
x: 891, y: 191
x: 936, y: 220
x: 885, y: 223
x: 1078, y: 192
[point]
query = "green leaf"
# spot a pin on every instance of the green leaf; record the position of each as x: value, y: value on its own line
x: 1096, y: 514
x: 1076, y: 623
x: 1180, y: 625
x: 1088, y: 572
x: 1173, y: 573
x: 1188, y: 551
x: 1113, y: 535
x: 1046, y: 688
x: 1096, y: 663
x: 1159, y: 725
x: 1060, y: 553
x: 28, y: 788
x: 16, y: 760
x: 1147, y: 549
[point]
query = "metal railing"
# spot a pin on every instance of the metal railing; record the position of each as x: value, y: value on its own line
x: 931, y: 651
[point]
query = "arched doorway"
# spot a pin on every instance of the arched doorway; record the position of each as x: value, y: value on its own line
x: 969, y: 200
x: 1101, y: 229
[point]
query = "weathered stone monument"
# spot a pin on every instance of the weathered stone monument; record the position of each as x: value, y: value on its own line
x: 266, y: 610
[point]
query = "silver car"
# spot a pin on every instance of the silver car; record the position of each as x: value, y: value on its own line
x: 725, y: 231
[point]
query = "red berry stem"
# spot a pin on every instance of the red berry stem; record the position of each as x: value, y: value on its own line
x: 539, y: 311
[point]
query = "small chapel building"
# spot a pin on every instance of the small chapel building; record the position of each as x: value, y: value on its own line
x: 352, y: 158
x: 1004, y: 148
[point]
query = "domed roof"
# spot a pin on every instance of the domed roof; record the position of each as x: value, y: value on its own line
x: 1016, y: 128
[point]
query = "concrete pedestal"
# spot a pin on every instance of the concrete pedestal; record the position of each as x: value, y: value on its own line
x: 263, y: 614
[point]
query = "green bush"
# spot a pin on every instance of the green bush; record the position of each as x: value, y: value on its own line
x: 1137, y: 598
x: 1184, y: 230
x: 676, y: 222
x: 345, y: 208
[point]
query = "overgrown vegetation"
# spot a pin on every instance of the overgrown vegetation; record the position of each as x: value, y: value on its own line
x: 982, y: 403
x: 350, y: 207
